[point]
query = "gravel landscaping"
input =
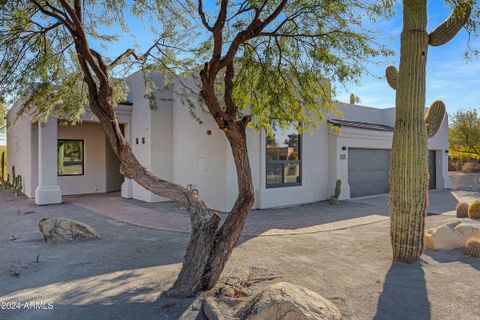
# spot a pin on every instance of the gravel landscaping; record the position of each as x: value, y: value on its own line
x: 121, y: 275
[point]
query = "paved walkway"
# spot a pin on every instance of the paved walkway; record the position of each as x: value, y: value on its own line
x: 311, y: 218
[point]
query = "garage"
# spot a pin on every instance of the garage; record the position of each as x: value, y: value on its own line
x: 368, y: 171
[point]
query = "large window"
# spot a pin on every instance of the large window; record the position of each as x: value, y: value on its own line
x: 284, y: 157
x: 70, y: 158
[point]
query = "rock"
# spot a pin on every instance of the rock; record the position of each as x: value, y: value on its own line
x: 62, y: 230
x: 451, y: 235
x: 286, y: 301
x: 470, y: 167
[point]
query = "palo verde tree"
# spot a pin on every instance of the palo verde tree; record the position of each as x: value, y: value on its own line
x: 464, y: 133
x: 409, y: 171
x: 254, y: 61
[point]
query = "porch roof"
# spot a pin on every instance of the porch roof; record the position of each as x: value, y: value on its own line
x: 360, y: 125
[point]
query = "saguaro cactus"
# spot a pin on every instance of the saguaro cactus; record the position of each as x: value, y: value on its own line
x: 409, y: 171
x: 338, y: 188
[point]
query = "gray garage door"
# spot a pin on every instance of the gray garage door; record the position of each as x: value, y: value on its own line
x: 368, y: 171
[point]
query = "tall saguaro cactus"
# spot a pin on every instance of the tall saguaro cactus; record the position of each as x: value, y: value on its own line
x: 409, y: 171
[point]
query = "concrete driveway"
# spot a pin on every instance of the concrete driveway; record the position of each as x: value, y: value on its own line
x: 304, y: 219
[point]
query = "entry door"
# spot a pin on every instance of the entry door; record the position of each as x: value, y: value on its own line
x: 368, y: 171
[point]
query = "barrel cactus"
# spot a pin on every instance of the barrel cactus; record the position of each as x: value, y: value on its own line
x: 409, y: 165
x: 474, y: 210
x: 462, y: 210
x: 472, y: 247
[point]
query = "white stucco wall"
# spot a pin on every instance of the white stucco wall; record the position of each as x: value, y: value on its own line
x: 94, y: 178
x: 198, y: 158
x: 22, y: 143
x: 151, y: 132
x: 168, y: 141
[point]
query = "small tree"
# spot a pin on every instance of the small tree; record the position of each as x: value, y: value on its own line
x: 260, y: 59
x: 464, y: 134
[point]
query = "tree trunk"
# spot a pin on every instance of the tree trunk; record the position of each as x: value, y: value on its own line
x: 208, y: 258
x: 408, y: 177
x: 204, y: 222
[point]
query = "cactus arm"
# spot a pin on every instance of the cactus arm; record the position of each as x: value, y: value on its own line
x: 391, y: 74
x: 450, y: 27
x: 434, y: 117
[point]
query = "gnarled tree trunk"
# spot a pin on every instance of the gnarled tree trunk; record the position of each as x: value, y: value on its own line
x: 210, y: 246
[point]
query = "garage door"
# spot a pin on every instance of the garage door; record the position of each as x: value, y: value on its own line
x: 368, y: 171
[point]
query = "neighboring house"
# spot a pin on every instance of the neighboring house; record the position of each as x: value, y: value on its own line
x: 287, y: 169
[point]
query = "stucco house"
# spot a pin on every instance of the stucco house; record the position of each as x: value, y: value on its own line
x: 287, y: 169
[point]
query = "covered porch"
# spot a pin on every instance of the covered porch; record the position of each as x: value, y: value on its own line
x: 78, y: 159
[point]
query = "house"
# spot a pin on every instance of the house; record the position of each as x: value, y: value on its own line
x: 287, y: 168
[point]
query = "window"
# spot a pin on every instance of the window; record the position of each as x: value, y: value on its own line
x: 70, y: 158
x: 284, y: 160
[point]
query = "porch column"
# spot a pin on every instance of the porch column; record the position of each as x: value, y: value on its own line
x: 47, y: 191
x: 127, y: 185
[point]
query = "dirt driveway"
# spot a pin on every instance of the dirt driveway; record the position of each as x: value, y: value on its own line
x: 121, y: 275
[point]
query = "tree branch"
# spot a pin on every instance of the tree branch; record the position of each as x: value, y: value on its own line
x: 201, y: 13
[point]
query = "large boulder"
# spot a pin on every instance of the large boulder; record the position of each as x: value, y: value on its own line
x: 451, y: 235
x: 470, y: 167
x: 286, y: 301
x: 63, y: 230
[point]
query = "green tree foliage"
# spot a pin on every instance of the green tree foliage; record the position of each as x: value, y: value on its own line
x: 282, y: 72
x: 464, y: 134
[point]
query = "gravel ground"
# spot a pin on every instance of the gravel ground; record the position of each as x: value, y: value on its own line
x: 121, y: 275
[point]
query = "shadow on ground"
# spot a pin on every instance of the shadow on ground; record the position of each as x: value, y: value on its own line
x: 404, y: 294
x: 453, y: 256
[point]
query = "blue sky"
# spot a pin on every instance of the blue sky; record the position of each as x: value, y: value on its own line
x: 450, y: 76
